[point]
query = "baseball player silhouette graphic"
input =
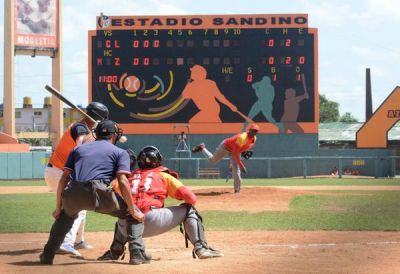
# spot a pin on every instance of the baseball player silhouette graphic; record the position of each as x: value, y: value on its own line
x: 265, y: 93
x: 205, y: 94
x: 291, y: 110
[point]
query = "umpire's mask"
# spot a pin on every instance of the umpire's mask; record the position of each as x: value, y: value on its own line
x: 106, y: 129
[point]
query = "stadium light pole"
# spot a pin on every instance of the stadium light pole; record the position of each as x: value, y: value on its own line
x: 8, y: 84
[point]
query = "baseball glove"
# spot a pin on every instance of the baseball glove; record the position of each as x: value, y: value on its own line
x: 247, y: 154
x: 132, y: 157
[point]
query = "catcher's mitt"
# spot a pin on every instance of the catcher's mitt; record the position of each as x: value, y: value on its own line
x: 132, y: 157
x: 247, y: 154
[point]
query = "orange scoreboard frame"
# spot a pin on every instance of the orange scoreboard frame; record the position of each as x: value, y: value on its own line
x: 213, y: 73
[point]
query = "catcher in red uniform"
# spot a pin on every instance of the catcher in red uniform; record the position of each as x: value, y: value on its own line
x: 150, y: 185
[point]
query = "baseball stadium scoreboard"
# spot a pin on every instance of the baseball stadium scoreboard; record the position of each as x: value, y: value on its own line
x: 213, y: 73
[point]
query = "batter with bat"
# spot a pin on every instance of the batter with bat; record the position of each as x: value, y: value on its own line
x: 291, y: 108
x: 265, y: 93
x: 93, y: 120
x: 234, y: 147
x: 77, y: 133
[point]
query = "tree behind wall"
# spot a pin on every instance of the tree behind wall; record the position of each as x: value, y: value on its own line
x: 328, y: 110
x: 348, y: 118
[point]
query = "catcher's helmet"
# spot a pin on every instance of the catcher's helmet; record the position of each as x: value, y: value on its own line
x: 97, y: 111
x: 149, y: 157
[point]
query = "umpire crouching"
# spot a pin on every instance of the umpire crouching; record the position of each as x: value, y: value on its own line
x: 89, y: 170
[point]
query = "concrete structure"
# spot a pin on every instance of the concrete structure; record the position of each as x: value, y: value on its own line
x: 35, y: 122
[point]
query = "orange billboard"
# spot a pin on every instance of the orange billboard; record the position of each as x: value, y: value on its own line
x: 374, y: 132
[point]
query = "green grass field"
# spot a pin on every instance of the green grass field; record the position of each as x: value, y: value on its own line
x: 357, y: 210
x: 252, y: 182
x: 22, y: 183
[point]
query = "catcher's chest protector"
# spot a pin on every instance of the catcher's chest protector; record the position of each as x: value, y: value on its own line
x: 149, y: 189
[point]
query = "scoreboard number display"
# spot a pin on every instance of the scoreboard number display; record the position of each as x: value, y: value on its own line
x: 213, y: 73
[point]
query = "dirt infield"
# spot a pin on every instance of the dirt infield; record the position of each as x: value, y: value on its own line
x: 245, y: 252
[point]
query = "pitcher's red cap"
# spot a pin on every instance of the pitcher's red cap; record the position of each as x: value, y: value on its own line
x: 254, y: 127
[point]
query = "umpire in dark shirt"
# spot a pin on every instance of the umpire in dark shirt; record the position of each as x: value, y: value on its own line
x: 89, y: 170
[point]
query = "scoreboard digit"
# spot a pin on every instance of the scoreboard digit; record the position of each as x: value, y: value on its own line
x: 156, y: 72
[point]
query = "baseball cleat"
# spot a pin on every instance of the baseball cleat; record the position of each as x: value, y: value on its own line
x: 207, y: 253
x: 67, y: 248
x: 83, y: 245
x: 138, y: 256
x: 46, y: 259
x: 109, y: 256
x: 198, y: 148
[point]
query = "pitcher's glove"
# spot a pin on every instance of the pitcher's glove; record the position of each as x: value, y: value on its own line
x: 247, y: 154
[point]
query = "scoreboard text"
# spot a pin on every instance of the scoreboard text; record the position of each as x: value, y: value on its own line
x: 213, y: 73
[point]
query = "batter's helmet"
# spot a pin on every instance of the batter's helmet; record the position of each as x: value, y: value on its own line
x: 97, y: 111
x: 149, y: 157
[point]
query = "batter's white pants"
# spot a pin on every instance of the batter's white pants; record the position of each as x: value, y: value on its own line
x: 52, y: 176
x: 219, y: 154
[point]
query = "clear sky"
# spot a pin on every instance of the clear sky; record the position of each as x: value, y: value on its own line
x: 353, y: 35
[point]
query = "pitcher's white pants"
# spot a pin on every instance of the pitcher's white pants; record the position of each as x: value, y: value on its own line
x: 219, y: 154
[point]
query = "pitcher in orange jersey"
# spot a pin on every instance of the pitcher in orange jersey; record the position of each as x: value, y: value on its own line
x: 205, y: 95
x: 233, y: 146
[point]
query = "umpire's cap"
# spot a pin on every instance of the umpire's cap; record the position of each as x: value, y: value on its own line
x: 97, y: 111
x: 106, y: 128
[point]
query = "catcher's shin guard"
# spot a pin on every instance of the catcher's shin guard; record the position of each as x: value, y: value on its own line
x: 194, y: 229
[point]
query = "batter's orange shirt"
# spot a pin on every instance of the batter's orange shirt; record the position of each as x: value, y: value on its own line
x: 64, y: 148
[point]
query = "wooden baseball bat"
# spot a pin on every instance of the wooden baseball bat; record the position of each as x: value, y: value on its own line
x: 56, y: 93
x: 248, y: 120
x: 303, y: 80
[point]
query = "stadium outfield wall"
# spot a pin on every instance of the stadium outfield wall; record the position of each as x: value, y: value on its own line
x: 274, y: 156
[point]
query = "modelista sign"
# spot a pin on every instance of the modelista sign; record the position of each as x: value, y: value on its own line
x: 212, y: 72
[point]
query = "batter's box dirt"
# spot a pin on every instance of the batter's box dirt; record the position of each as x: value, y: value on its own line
x: 245, y: 252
